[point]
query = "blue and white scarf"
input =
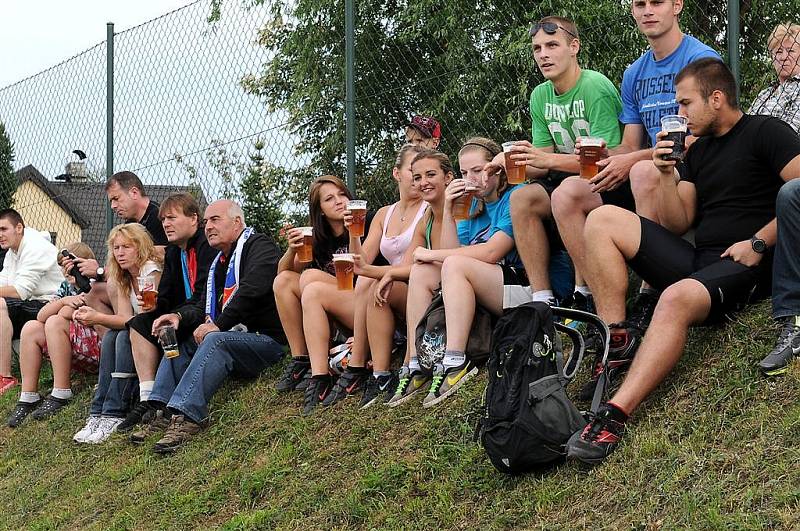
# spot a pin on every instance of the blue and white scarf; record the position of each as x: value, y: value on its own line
x: 231, y: 277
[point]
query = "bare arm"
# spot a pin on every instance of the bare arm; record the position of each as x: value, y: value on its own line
x: 677, y: 201
x: 491, y: 251
x: 289, y: 260
x: 448, y: 238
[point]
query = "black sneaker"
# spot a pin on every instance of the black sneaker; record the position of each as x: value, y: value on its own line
x: 140, y: 414
x: 581, y: 302
x: 21, y: 411
x: 620, y: 355
x: 642, y: 310
x: 49, y: 407
x: 788, y: 346
x: 349, y: 383
x: 597, y: 439
x: 378, y: 390
x: 317, y: 390
x: 293, y: 374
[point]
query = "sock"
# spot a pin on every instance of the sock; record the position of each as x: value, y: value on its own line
x: 145, y: 389
x: 617, y: 413
x: 378, y: 374
x: 413, y: 365
x: 29, y: 397
x: 63, y: 394
x: 583, y: 290
x: 648, y: 290
x: 323, y: 377
x: 304, y: 359
x: 356, y: 370
x: 543, y: 295
x: 453, y: 358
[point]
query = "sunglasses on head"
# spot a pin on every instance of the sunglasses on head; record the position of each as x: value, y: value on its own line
x: 548, y: 27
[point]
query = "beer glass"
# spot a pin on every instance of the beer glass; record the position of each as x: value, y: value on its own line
x: 463, y: 204
x: 168, y: 341
x: 675, y: 127
x: 306, y: 253
x: 358, y: 209
x: 148, y: 291
x: 344, y: 265
x: 591, y: 151
x: 515, y: 174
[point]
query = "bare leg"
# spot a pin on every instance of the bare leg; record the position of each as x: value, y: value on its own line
x: 684, y: 303
x: 145, y: 357
x: 320, y: 300
x: 424, y: 279
x: 464, y: 280
x: 363, y: 299
x: 645, y: 180
x: 59, y: 347
x: 572, y: 201
x: 381, y: 325
x: 287, y: 298
x: 529, y: 206
x: 6, y: 333
x: 32, y: 341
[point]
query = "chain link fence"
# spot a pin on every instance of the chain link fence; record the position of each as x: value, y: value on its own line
x: 247, y: 100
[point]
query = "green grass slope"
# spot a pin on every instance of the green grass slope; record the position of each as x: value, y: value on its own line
x: 718, y: 446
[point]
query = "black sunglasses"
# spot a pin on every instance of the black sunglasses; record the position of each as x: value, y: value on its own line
x: 548, y: 27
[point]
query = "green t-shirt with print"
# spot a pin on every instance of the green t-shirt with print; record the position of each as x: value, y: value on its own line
x: 590, y: 108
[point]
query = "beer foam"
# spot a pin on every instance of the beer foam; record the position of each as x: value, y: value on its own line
x: 343, y: 258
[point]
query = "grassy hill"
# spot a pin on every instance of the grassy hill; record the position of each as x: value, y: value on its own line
x: 718, y: 446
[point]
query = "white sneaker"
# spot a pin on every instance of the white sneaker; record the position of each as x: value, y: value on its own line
x: 105, y: 427
x: 91, y: 425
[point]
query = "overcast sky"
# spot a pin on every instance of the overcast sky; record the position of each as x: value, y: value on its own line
x: 37, y: 34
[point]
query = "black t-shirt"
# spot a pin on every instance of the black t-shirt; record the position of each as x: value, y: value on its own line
x: 153, y: 224
x: 737, y: 177
x: 324, y: 251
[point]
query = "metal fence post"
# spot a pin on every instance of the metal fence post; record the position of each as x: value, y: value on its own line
x: 350, y: 113
x: 109, y: 115
x: 733, y: 38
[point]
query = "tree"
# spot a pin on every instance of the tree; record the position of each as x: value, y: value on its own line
x: 8, y: 179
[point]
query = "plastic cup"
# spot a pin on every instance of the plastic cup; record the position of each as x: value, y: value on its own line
x: 514, y: 174
x: 675, y: 127
x: 169, y: 341
x: 591, y: 151
x: 358, y: 208
x: 306, y: 253
x: 344, y: 266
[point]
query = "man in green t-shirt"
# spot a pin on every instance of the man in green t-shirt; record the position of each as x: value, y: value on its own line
x: 572, y: 103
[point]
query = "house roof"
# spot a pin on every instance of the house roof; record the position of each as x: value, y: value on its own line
x: 86, y: 202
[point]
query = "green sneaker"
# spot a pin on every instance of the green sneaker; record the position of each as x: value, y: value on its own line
x: 447, y: 381
x: 409, y: 384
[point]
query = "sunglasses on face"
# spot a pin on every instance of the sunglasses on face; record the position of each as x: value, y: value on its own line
x: 550, y: 28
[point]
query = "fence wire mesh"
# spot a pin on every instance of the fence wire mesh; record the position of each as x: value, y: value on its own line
x: 250, y: 103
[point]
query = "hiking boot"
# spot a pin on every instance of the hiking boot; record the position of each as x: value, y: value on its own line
x: 788, y: 346
x: 597, y: 439
x: 304, y: 382
x: 293, y: 374
x: 49, y: 407
x: 408, y: 384
x: 446, y: 381
x: 105, y: 427
x: 179, y: 432
x: 620, y: 355
x: 159, y: 421
x: 88, y: 429
x: 140, y: 414
x: 379, y: 389
x: 21, y: 411
x: 7, y: 383
x: 642, y: 310
x: 349, y: 383
x: 317, y: 390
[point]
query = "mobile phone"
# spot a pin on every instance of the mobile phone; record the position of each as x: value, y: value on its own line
x: 83, y: 283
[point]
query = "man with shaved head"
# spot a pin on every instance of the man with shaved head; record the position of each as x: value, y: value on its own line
x: 240, y: 336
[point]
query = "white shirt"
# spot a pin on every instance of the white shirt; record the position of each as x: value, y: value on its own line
x: 33, y: 269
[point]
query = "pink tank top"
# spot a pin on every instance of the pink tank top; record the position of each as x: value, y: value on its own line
x: 393, y: 248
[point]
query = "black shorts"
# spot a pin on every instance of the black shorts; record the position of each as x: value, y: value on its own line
x: 665, y: 258
x: 20, y: 312
x: 514, y: 276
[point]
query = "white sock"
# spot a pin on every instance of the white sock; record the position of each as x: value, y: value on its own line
x: 29, y: 397
x: 543, y: 295
x: 378, y: 374
x: 413, y: 365
x: 453, y: 358
x: 145, y: 389
x: 583, y: 290
x: 62, y: 394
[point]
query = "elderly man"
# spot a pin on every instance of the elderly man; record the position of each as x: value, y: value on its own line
x: 30, y: 277
x: 241, y: 335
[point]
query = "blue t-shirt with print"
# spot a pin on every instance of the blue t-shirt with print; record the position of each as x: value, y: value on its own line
x: 648, y: 91
x: 496, y: 216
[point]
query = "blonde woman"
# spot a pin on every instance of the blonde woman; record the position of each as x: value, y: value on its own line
x: 782, y: 98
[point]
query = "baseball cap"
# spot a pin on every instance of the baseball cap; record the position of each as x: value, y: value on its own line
x: 427, y: 125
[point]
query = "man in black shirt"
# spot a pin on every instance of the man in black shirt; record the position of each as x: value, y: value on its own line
x: 240, y: 337
x: 733, y: 174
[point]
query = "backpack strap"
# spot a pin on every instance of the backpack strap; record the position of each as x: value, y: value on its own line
x: 578, y: 350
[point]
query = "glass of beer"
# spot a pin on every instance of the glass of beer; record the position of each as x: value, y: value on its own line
x: 515, y: 174
x: 358, y: 209
x: 148, y: 291
x: 591, y: 151
x: 462, y: 205
x: 344, y: 265
x: 675, y: 127
x: 168, y: 341
x: 306, y: 253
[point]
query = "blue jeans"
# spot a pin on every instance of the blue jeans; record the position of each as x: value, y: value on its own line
x: 187, y: 383
x: 786, y: 267
x: 562, y: 275
x: 117, y: 383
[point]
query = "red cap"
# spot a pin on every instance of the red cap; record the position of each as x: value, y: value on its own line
x: 427, y: 125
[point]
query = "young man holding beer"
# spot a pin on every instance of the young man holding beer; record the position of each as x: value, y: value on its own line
x: 240, y: 337
x: 572, y: 103
x: 183, y: 282
x: 731, y: 262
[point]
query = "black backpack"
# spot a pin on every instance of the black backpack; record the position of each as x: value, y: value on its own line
x: 527, y: 417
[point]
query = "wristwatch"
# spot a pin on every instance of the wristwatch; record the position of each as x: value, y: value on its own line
x: 758, y: 245
x: 101, y: 273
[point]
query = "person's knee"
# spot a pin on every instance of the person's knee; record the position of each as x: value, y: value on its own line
x: 681, y: 302
x: 568, y: 196
x: 55, y: 323
x: 604, y: 219
x: 65, y: 312
x: 311, y: 276
x: 313, y: 292
x: 529, y: 200
x: 284, y: 281
x: 455, y: 267
x: 423, y: 275
x: 364, y: 286
x: 31, y: 329
x: 644, y: 178
x: 789, y: 196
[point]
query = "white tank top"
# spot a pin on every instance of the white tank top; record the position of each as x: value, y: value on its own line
x: 393, y: 248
